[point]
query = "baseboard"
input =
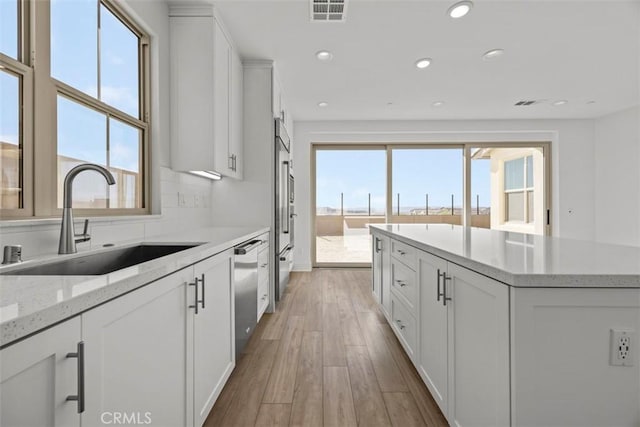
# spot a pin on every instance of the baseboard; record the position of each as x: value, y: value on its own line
x: 301, y: 267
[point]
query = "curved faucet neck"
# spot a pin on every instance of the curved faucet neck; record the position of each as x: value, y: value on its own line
x: 71, y: 175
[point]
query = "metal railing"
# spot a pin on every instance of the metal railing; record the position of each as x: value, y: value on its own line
x: 362, y: 211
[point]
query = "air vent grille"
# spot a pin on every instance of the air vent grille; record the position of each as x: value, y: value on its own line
x: 328, y: 10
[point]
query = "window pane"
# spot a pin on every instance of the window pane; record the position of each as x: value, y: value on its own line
x: 10, y: 154
x: 481, y: 189
x: 529, y: 171
x: 9, y: 28
x: 74, y: 44
x: 124, y: 164
x: 436, y: 173
x: 530, y: 211
x: 118, y: 64
x: 514, y: 174
x: 82, y: 138
x: 515, y: 206
x: 360, y: 176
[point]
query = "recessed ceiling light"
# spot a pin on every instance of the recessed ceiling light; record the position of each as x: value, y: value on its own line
x: 323, y: 104
x: 438, y: 104
x: 423, y: 62
x: 492, y: 54
x: 459, y: 9
x: 559, y: 102
x: 324, y: 55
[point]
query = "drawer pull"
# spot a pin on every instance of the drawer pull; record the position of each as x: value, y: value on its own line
x: 401, y: 252
x: 400, y: 325
x: 402, y: 283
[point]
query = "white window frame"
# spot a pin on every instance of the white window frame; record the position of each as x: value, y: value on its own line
x: 528, y: 215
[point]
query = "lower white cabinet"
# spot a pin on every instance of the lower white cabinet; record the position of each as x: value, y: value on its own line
x: 135, y: 360
x: 210, y: 333
x: 478, y: 350
x: 381, y: 271
x: 433, y: 365
x: 464, y: 342
x: 36, y: 377
x: 263, y: 276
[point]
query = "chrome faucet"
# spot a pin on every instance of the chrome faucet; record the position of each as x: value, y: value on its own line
x: 68, y: 237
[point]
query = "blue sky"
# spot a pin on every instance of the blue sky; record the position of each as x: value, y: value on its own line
x: 415, y: 173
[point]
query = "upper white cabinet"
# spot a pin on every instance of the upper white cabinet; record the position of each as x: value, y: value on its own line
x: 206, y: 94
x: 37, y: 376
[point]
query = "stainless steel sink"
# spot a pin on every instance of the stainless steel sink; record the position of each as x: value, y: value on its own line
x: 100, y: 263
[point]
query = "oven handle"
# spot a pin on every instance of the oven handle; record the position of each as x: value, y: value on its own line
x: 285, y: 219
x: 283, y: 257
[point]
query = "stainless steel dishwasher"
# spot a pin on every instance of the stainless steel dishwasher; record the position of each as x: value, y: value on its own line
x: 245, y: 277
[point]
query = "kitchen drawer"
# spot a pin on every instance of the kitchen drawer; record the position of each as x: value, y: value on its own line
x: 263, y: 297
x: 404, y: 282
x: 405, y: 326
x: 263, y: 264
x: 405, y: 253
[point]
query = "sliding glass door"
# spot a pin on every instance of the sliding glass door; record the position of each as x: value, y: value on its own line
x: 353, y: 186
x: 350, y: 188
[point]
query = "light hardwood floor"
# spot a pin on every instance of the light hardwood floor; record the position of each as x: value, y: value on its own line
x: 326, y: 357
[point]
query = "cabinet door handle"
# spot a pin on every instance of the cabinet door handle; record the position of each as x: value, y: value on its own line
x: 445, y: 298
x: 402, y: 283
x: 202, y: 281
x: 438, y: 294
x: 195, y: 306
x: 400, y: 325
x: 79, y: 354
x: 378, y: 245
x: 401, y: 252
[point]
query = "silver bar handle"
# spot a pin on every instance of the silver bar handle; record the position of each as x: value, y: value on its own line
x: 402, y: 283
x: 445, y: 298
x: 378, y: 244
x: 79, y: 354
x: 285, y: 219
x: 195, y: 306
x: 202, y: 281
x: 438, y: 294
x: 400, y: 325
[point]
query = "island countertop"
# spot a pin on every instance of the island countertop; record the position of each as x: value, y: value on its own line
x: 29, y: 304
x: 523, y: 260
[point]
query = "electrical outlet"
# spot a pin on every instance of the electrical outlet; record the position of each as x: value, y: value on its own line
x: 622, y: 347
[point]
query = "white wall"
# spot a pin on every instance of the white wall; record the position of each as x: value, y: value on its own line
x: 41, y: 237
x: 617, y: 178
x: 572, y: 147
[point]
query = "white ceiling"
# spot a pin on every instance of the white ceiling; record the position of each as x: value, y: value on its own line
x: 580, y: 51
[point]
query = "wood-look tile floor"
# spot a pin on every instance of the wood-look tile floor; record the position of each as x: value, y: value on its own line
x: 326, y: 357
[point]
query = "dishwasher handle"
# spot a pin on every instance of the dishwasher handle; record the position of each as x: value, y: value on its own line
x: 247, y: 247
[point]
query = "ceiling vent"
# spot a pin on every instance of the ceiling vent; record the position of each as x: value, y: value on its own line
x: 328, y: 10
x: 526, y: 103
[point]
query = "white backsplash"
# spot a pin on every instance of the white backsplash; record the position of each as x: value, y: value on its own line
x: 186, y: 205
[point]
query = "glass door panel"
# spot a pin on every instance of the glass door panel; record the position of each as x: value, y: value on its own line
x: 508, y: 186
x: 427, y: 185
x: 350, y: 193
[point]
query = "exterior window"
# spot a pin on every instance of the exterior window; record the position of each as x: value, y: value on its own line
x: 99, y: 76
x: 110, y: 132
x: 518, y: 189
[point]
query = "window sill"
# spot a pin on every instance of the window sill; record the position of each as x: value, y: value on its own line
x: 42, y: 222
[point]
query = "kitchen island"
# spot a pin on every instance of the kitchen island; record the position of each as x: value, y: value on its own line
x: 512, y: 329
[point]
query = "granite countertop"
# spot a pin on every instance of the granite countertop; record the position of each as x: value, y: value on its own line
x: 31, y: 303
x: 523, y: 260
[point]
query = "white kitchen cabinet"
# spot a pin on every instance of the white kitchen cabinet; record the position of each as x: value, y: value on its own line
x: 36, y: 377
x: 136, y: 361
x: 206, y: 94
x: 433, y: 363
x: 381, y: 269
x: 478, y: 349
x: 263, y: 276
x: 210, y: 332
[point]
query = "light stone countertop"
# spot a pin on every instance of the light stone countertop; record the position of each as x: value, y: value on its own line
x: 523, y: 260
x: 31, y: 303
